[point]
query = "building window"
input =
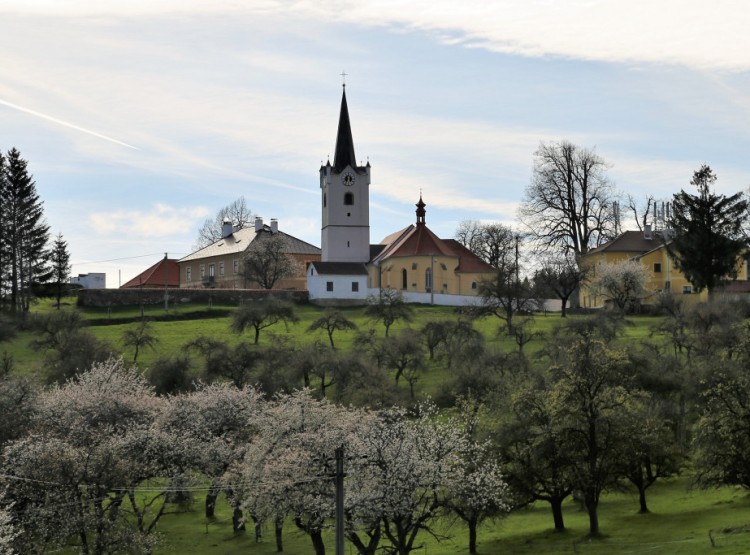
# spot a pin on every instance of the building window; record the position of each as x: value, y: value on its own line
x: 325, y: 203
x: 413, y: 265
x: 657, y: 267
x: 473, y: 284
x: 687, y: 289
x: 221, y: 268
x: 349, y: 199
x: 428, y: 280
x: 403, y: 279
x: 211, y: 270
x: 355, y: 286
x: 236, y: 266
x: 203, y: 271
x: 329, y: 286
x: 189, y: 273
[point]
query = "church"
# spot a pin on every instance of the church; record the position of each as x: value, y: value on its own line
x: 413, y: 260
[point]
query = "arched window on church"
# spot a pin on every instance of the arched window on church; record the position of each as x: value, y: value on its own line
x: 348, y: 199
x: 428, y: 280
x: 403, y: 278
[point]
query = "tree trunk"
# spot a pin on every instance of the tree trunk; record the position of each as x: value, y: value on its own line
x: 211, y: 497
x: 557, y: 514
x: 278, y: 527
x: 642, y: 498
x: 238, y: 523
x: 372, y: 545
x: 317, y: 540
x: 257, y: 528
x: 591, y: 504
x: 472, y: 535
x: 564, y: 306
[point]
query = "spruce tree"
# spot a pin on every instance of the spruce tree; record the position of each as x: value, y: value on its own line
x: 60, y: 261
x: 4, y: 248
x: 708, y: 238
x: 25, y: 233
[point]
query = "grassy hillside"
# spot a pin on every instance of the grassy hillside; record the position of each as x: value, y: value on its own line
x: 682, y: 520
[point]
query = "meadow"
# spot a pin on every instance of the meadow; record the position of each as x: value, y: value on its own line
x: 683, y: 519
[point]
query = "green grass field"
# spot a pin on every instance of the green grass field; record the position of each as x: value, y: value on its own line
x: 682, y: 520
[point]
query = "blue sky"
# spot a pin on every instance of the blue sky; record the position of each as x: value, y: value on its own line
x: 140, y: 119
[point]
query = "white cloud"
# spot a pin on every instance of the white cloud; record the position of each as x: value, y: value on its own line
x: 160, y: 222
x: 694, y: 33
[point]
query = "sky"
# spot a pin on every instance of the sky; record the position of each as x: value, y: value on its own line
x: 140, y: 119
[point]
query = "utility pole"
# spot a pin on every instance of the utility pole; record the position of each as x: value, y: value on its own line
x: 340, y: 500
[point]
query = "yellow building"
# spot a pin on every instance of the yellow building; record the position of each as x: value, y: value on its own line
x: 649, y: 248
x: 419, y: 263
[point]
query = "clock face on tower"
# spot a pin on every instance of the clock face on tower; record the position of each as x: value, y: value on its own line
x: 348, y: 179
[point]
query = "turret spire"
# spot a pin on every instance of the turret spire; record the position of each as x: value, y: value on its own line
x: 421, y: 212
x: 344, y: 155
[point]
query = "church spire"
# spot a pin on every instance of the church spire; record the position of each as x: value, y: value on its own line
x: 344, y: 154
x: 421, y: 212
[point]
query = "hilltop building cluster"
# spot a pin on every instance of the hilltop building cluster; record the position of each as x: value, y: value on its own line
x: 347, y: 268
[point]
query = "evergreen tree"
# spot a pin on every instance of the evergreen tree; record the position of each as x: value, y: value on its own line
x: 4, y: 250
x: 707, y: 232
x: 25, y: 233
x: 60, y: 259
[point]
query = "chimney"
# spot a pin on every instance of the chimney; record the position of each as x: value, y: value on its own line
x: 258, y: 224
x: 226, y: 229
x: 647, y: 232
x: 274, y: 225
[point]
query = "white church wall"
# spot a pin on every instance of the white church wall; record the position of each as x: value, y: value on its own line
x: 340, y: 288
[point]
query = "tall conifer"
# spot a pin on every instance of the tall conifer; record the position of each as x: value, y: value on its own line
x: 25, y: 233
x: 708, y: 238
x: 60, y: 261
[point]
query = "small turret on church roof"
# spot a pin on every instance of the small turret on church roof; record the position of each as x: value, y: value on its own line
x: 421, y: 212
x: 344, y: 155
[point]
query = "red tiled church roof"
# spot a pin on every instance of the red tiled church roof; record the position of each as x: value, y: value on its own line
x: 418, y: 240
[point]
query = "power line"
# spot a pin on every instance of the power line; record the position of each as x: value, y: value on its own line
x: 118, y: 259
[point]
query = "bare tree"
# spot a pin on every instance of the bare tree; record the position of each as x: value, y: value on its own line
x: 388, y: 307
x: 469, y: 234
x: 267, y: 260
x: 642, y: 213
x: 569, y: 203
x: 495, y: 243
x: 261, y: 315
x: 331, y: 321
x: 560, y: 276
x: 138, y: 336
x: 236, y: 212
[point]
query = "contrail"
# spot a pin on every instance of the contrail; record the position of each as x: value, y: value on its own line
x: 66, y: 124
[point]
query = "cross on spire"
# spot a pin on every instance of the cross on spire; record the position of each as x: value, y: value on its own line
x: 343, y: 78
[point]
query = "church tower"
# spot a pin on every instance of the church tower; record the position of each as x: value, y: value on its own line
x: 345, y: 200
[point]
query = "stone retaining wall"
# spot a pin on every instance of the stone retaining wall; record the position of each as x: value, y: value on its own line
x: 123, y: 297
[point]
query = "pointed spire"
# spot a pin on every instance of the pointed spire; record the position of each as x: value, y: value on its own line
x: 421, y: 212
x: 344, y: 154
